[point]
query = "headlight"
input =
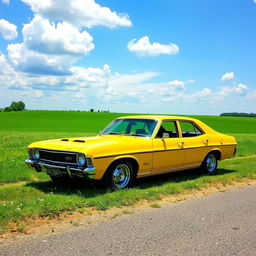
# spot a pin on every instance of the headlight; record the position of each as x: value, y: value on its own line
x: 36, y: 154
x: 80, y: 158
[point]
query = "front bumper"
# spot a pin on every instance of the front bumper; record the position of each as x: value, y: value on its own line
x: 39, y: 166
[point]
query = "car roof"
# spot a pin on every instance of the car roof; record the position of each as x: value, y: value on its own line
x: 160, y: 117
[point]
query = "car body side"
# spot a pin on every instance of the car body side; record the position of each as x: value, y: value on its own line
x: 148, y: 155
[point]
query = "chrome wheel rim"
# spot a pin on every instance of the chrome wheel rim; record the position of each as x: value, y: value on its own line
x: 211, y: 163
x: 121, y: 176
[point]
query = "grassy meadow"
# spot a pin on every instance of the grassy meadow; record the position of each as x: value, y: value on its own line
x: 26, y: 194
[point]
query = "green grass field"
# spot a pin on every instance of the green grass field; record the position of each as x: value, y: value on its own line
x: 25, y: 193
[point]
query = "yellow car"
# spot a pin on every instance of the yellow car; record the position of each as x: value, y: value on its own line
x: 133, y: 147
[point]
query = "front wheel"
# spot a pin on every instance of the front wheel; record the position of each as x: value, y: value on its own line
x: 120, y: 175
x: 210, y: 164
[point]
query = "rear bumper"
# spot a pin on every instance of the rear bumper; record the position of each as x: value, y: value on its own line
x: 235, y: 150
x: 39, y: 166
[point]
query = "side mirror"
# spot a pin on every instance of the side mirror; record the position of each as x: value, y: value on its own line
x: 166, y: 135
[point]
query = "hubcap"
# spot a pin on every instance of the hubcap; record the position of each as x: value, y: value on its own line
x: 211, y: 163
x: 121, y: 176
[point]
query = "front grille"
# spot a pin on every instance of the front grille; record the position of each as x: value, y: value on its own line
x: 58, y: 156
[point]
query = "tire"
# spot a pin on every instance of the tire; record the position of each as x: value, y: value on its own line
x: 210, y: 164
x: 120, y: 175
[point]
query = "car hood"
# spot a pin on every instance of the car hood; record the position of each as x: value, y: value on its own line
x: 101, y: 145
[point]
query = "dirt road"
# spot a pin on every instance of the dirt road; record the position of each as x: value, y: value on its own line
x: 218, y: 224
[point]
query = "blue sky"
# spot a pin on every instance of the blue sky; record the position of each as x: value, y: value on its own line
x: 145, y: 56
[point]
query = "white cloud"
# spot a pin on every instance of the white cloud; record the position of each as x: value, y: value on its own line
x: 204, y: 96
x: 238, y: 89
x: 79, y: 78
x: 89, y: 77
x: 32, y: 62
x: 241, y: 89
x: 7, y: 30
x: 48, y: 48
x: 54, y: 40
x: 6, y: 1
x: 177, y: 84
x: 80, y: 13
x: 32, y: 93
x: 125, y: 88
x: 100, y: 88
x: 228, y: 76
x: 5, y: 69
x: 43, y: 36
x: 132, y: 79
x: 171, y: 90
x: 143, y: 47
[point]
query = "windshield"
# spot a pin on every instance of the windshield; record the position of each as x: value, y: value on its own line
x: 131, y: 127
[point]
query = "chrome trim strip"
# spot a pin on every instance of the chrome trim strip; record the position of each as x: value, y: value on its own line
x: 57, y: 151
x: 58, y: 162
x: 167, y: 170
x: 51, y: 166
x: 90, y: 172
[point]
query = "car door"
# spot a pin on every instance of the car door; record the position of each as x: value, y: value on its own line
x: 168, y: 153
x: 194, y: 142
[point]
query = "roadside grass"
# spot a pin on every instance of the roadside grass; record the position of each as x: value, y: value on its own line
x: 43, y: 199
x: 26, y: 194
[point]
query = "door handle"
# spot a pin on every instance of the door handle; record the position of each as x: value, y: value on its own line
x: 205, y: 141
x: 181, y: 143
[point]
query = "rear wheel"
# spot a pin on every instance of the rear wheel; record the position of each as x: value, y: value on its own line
x: 119, y: 175
x: 210, y: 164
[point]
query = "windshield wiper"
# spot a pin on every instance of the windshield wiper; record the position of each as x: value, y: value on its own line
x: 112, y: 133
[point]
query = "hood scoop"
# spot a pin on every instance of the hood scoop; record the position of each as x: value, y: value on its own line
x: 81, y: 141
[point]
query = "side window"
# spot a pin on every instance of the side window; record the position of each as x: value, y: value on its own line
x: 169, y: 127
x: 189, y: 129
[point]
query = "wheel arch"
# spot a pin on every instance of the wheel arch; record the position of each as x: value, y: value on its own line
x: 216, y: 151
x: 131, y: 159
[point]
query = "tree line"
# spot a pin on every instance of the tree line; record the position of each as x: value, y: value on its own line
x: 239, y: 114
x: 15, y: 106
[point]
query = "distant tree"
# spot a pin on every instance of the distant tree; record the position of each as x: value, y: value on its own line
x: 91, y: 110
x: 15, y: 106
x: 7, y: 109
x: 239, y: 114
x: 21, y: 105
